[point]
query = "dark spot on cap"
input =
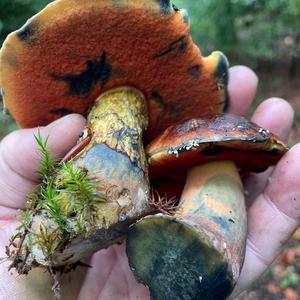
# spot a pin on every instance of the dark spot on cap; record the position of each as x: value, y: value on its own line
x: 274, y: 151
x: 195, y: 71
x: 175, y: 7
x: 61, y: 112
x: 165, y: 5
x: 212, y: 150
x: 222, y: 70
x: 221, y: 73
x: 226, y: 101
x: 158, y: 99
x: 97, y: 71
x: 176, y: 47
x: 28, y: 32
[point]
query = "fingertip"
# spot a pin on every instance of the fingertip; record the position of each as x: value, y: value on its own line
x: 242, y: 89
x: 21, y: 150
x: 244, y: 73
x: 274, y: 104
x: 76, y: 120
x: 291, y: 164
x: 296, y: 149
x: 284, y: 184
x: 276, y: 115
x: 63, y: 133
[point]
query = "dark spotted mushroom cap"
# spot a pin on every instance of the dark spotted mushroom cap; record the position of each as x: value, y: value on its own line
x: 218, y: 137
x: 63, y: 58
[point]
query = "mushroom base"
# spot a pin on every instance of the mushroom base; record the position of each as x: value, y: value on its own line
x: 95, y: 194
x: 177, y: 262
x: 199, y: 251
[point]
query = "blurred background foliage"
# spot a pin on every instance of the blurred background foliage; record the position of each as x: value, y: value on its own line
x: 263, y: 34
x: 247, y: 30
x: 14, y: 13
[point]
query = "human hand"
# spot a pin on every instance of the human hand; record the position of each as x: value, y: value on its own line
x: 110, y: 277
x: 273, y: 205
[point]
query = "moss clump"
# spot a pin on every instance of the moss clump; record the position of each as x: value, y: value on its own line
x: 62, y: 207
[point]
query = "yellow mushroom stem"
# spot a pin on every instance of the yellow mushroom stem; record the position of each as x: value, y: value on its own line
x: 213, y: 202
x: 113, y: 161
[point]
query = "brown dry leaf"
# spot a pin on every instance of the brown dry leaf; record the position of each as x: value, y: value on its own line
x: 290, y: 294
x: 279, y: 271
x: 289, y: 257
x: 273, y: 288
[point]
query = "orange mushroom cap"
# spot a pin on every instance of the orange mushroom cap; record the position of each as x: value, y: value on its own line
x: 63, y: 58
x: 218, y: 137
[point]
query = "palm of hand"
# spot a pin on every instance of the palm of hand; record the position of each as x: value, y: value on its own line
x: 109, y: 278
x: 272, y: 216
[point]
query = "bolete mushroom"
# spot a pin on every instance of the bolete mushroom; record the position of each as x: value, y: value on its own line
x: 126, y: 65
x: 197, y: 251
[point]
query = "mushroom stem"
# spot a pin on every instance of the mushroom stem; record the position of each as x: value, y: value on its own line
x: 99, y: 191
x: 198, y: 252
x: 213, y: 199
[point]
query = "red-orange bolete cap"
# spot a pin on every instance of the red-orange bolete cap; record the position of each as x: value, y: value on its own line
x: 63, y: 58
x: 218, y: 137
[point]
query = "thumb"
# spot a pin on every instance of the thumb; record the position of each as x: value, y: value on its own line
x: 20, y: 156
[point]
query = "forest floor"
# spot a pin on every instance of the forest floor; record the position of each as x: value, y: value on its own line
x: 275, y: 81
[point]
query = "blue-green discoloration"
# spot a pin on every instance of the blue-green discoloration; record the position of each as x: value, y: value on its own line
x: 112, y: 164
x: 223, y: 222
x: 222, y: 75
x: 165, y: 5
x: 28, y: 32
x: 222, y: 69
x: 222, y: 189
x: 175, y: 262
x: 185, y: 16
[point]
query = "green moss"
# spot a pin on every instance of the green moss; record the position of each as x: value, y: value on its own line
x: 62, y: 207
